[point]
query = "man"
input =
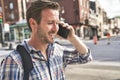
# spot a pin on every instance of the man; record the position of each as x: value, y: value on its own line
x: 47, y: 56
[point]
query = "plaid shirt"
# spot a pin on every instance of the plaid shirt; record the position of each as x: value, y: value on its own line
x: 12, y: 69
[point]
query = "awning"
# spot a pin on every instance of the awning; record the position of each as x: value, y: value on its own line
x: 18, y: 25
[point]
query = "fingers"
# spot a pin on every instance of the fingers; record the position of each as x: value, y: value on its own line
x: 65, y: 24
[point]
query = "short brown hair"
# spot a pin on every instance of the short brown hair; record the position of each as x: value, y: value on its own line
x: 34, y: 11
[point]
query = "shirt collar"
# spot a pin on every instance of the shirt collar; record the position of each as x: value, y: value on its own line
x: 31, y: 49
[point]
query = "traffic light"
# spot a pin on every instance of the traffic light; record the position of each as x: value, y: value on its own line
x: 1, y: 18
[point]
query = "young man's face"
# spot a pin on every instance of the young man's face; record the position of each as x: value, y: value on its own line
x: 48, y: 27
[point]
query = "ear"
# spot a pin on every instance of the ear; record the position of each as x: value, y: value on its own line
x: 33, y: 23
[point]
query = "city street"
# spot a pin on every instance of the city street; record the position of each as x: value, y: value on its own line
x: 106, y: 64
x: 91, y: 19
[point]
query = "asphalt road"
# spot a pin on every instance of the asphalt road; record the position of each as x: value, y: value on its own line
x: 106, y: 64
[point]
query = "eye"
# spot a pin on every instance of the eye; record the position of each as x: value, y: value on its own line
x: 49, y: 23
x: 57, y: 23
x: 53, y: 23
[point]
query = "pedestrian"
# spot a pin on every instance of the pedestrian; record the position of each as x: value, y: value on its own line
x: 108, y: 36
x: 47, y: 56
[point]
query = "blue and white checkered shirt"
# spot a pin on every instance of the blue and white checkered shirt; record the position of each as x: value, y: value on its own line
x: 12, y: 68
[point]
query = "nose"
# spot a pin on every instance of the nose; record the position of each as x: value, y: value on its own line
x: 55, y: 27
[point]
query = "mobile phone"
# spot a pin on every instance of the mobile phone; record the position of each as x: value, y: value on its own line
x: 63, y: 31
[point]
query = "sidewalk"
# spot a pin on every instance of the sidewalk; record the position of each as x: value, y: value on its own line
x: 12, y: 45
x: 9, y: 46
x: 4, y: 52
x: 61, y: 41
x: 93, y: 71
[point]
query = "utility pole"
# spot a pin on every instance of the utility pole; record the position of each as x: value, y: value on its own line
x: 3, y: 11
x: 1, y: 29
x: 2, y: 22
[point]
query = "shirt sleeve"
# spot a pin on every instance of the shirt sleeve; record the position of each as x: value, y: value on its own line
x: 86, y: 57
x: 9, y: 70
x: 74, y: 54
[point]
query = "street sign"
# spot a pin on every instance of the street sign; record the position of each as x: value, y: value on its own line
x: 6, y: 27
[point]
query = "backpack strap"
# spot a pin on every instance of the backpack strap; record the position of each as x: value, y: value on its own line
x: 26, y: 61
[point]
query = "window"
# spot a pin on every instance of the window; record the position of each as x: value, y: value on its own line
x: 0, y: 9
x: 12, y: 16
x: 27, y: 0
x: 81, y: 2
x: 11, y: 5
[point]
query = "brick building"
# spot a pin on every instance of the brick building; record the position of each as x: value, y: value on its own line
x: 74, y: 12
x: 10, y: 11
x: 13, y: 12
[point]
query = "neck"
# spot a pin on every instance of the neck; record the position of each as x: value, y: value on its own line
x: 39, y: 45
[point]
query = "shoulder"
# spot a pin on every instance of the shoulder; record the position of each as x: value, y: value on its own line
x: 13, y: 58
x: 59, y: 47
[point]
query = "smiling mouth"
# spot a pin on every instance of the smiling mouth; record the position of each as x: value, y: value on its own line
x: 52, y: 35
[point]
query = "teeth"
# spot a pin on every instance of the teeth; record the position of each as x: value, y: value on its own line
x: 52, y: 35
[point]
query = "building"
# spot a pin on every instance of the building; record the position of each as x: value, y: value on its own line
x: 76, y: 14
x: 101, y: 19
x: 9, y: 10
x: 14, y: 14
x: 93, y: 20
x: 97, y: 20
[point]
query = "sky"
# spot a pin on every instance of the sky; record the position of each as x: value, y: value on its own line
x: 112, y: 7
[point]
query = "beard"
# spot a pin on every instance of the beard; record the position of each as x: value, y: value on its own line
x: 45, y: 37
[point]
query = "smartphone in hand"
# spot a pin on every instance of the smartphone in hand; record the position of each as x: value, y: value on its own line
x: 63, y: 31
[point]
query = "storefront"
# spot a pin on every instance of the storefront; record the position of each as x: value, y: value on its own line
x: 19, y: 32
